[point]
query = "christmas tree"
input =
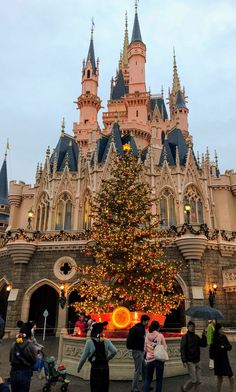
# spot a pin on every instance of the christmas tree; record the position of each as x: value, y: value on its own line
x: 130, y: 266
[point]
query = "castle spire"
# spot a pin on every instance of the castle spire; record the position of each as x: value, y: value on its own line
x: 126, y: 42
x: 176, y: 81
x: 91, y: 53
x: 3, y: 182
x: 136, y: 35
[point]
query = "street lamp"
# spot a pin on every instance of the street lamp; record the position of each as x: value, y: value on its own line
x: 212, y: 295
x: 30, y: 217
x: 187, y: 210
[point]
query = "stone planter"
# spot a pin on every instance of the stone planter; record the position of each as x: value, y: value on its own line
x: 122, y: 366
x: 192, y: 246
x: 21, y: 251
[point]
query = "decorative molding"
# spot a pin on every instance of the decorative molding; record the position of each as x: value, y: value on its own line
x: 65, y: 268
x: 229, y: 279
x: 191, y: 246
x: 21, y: 251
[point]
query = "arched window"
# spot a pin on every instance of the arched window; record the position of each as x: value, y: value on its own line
x: 167, y: 208
x: 192, y: 197
x: 88, y: 74
x: 42, y: 213
x: 87, y: 214
x: 64, y: 213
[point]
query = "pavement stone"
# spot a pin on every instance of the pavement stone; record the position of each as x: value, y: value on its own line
x: 78, y: 385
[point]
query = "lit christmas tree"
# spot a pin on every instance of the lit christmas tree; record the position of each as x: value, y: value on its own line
x: 130, y: 268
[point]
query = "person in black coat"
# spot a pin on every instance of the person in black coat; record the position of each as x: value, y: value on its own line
x: 222, y: 367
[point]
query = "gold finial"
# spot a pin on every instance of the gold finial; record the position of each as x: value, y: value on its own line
x: 92, y: 27
x: 126, y: 147
x: 176, y: 82
x: 136, y: 6
x: 48, y: 152
x: 63, y: 126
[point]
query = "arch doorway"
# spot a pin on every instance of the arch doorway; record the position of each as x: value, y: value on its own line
x: 45, y: 297
x: 72, y: 314
x: 3, y: 301
x: 176, y: 319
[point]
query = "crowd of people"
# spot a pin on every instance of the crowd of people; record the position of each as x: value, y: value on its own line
x: 149, y: 352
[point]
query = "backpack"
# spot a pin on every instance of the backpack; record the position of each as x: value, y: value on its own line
x: 18, y: 357
x: 99, y: 354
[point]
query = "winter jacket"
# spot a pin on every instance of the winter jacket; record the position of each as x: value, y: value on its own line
x: 151, y: 340
x: 220, y: 348
x: 136, y: 337
x: 190, y: 347
x: 4, y: 388
x: 89, y: 350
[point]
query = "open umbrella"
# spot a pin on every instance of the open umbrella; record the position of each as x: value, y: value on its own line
x: 204, y: 312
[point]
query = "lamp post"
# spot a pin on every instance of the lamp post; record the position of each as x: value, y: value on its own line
x: 30, y: 217
x: 62, y: 298
x: 187, y: 210
x: 212, y: 295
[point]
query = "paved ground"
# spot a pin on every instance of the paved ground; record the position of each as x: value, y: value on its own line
x: 78, y: 385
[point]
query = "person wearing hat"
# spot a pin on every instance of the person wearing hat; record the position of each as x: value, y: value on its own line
x: 23, y: 356
x: 99, y: 352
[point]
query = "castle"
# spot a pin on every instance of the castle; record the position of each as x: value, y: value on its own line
x: 38, y: 262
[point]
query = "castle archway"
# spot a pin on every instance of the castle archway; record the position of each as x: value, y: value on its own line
x: 44, y: 297
x: 176, y: 320
x: 3, y: 299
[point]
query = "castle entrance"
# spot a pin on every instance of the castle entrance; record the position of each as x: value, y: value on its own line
x: 176, y: 320
x: 3, y: 301
x: 45, y: 297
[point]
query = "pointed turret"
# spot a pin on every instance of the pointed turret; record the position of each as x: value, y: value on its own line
x: 176, y: 81
x: 88, y: 102
x: 136, y: 34
x: 91, y: 52
x: 126, y: 42
x: 4, y: 203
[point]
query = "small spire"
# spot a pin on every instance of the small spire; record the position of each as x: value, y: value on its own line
x: 126, y: 42
x: 48, y: 152
x: 7, y: 148
x: 198, y: 158
x: 162, y: 92
x: 176, y: 81
x: 63, y: 127
x: 207, y: 154
x: 177, y: 159
x: 54, y: 161
x: 216, y: 159
x: 91, y: 54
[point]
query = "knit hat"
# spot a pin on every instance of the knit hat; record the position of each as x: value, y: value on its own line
x: 26, y: 328
x: 97, y: 328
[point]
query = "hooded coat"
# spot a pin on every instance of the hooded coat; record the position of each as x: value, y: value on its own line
x: 151, y: 340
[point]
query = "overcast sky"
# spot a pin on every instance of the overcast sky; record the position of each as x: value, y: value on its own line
x: 43, y: 43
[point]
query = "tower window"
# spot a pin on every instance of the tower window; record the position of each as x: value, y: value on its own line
x: 87, y: 92
x: 86, y: 121
x: 136, y: 113
x: 88, y: 74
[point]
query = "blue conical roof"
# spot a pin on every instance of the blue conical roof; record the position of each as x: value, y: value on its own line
x: 180, y: 102
x: 136, y: 35
x: 3, y: 184
x: 91, y: 55
x: 119, y: 89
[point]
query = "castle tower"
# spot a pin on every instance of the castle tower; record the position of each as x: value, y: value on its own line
x: 88, y: 102
x: 137, y: 100
x: 137, y: 58
x: 4, y: 203
x: 177, y: 102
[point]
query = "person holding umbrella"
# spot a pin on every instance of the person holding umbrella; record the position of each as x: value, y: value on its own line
x: 190, y: 355
x: 220, y: 348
